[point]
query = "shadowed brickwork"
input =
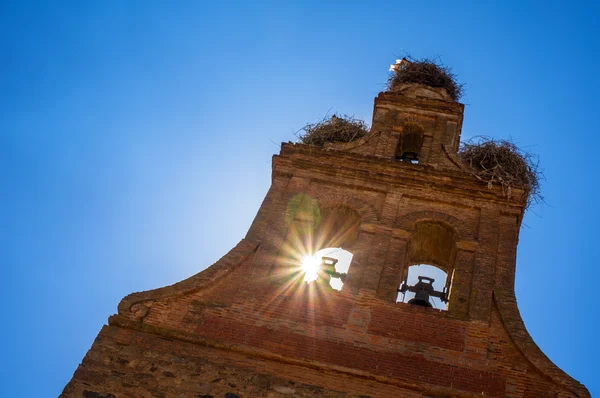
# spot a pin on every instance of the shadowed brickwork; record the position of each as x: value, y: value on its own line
x: 249, y: 326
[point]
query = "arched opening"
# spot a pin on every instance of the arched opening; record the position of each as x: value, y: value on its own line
x: 338, y: 227
x: 429, y: 271
x: 410, y: 143
x: 336, y: 231
x: 430, y: 261
x: 328, y: 266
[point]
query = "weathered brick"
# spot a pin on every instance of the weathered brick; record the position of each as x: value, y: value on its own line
x: 248, y: 326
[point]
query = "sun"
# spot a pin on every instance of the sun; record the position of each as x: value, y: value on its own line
x: 310, y: 266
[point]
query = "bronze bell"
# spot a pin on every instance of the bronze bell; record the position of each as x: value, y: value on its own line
x: 410, y: 144
x: 328, y: 265
x: 423, y: 289
x: 421, y: 298
x: 328, y: 271
x: 409, y: 157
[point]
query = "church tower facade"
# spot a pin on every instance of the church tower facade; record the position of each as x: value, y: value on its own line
x: 401, y: 203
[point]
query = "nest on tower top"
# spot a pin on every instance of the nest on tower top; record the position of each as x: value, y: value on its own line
x: 334, y: 129
x: 429, y: 72
x: 502, y: 162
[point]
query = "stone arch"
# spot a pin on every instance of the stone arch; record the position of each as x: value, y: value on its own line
x: 432, y: 244
x: 338, y: 227
x: 409, y: 221
x: 366, y: 212
x: 318, y: 220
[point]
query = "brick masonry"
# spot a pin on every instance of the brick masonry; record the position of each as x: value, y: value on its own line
x: 248, y: 326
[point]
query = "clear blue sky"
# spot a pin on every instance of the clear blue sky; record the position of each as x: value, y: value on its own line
x: 136, y: 140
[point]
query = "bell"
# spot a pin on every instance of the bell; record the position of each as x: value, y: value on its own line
x: 421, y: 298
x: 409, y: 157
x: 328, y: 264
x: 326, y: 269
x: 422, y: 289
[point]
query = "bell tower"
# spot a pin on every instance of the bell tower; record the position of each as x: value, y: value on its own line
x: 424, y: 306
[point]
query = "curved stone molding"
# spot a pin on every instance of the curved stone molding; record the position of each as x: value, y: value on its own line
x: 131, y: 306
x: 454, y: 159
x: 349, y: 146
x: 408, y: 221
x: 367, y: 213
x: 511, y: 318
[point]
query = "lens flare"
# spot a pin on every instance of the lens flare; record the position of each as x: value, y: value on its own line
x: 310, y: 266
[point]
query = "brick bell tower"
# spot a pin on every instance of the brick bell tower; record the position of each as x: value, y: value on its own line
x: 398, y: 200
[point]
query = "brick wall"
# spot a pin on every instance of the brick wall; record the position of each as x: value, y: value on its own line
x: 248, y: 326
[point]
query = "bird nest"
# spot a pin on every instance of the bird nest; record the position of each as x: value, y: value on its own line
x: 502, y: 162
x: 430, y: 72
x: 334, y: 129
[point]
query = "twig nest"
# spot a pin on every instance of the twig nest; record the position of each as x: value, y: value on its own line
x: 334, y: 129
x: 502, y: 162
x: 429, y: 72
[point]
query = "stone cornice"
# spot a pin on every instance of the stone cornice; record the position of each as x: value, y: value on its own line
x: 371, y: 171
x: 426, y: 104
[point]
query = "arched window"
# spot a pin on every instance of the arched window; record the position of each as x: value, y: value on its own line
x: 439, y: 278
x: 337, y: 230
x: 329, y: 266
x: 338, y: 227
x: 410, y: 143
x: 430, y: 260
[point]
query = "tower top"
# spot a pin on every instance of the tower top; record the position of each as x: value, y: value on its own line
x: 428, y: 72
